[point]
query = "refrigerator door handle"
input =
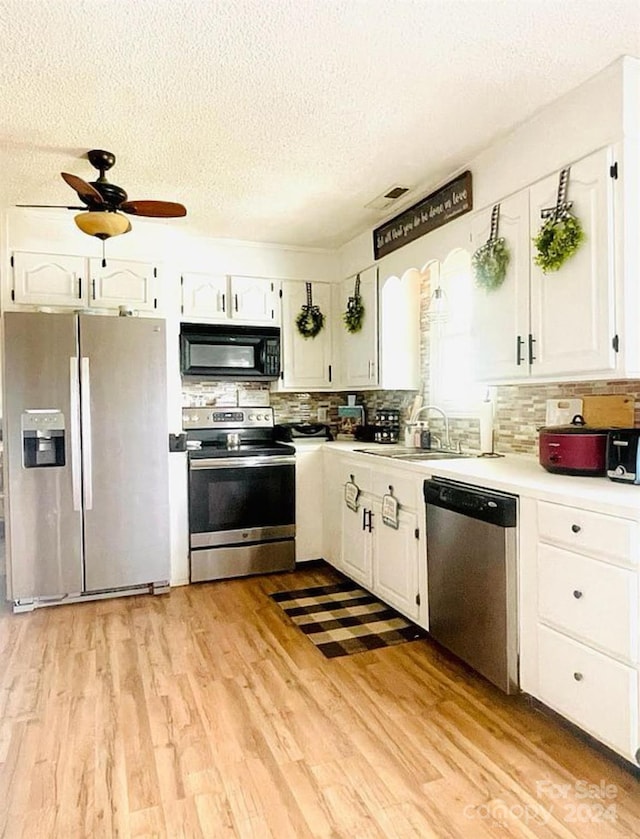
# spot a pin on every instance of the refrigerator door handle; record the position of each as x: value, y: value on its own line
x: 74, y: 432
x: 87, y: 453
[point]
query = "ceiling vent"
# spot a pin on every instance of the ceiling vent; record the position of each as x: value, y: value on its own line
x: 388, y: 198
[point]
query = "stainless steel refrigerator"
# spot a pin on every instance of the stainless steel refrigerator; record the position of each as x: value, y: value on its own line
x: 86, y: 442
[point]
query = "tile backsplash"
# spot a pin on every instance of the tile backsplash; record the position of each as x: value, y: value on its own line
x: 519, y: 409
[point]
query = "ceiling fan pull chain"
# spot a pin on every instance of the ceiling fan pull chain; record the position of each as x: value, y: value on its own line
x: 104, y: 260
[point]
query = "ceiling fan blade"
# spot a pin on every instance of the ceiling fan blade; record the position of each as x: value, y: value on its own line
x: 87, y: 193
x: 51, y: 206
x: 153, y: 209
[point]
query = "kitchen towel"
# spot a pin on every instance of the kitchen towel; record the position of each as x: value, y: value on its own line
x: 486, y: 427
x: 342, y: 619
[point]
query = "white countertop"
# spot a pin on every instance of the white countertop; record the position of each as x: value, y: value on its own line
x: 517, y: 474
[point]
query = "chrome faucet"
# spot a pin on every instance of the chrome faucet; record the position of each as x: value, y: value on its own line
x: 447, y: 440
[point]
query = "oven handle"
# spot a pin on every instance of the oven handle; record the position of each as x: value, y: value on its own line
x: 242, y: 462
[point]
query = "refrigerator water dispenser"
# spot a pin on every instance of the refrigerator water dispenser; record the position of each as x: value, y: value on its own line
x: 43, y: 439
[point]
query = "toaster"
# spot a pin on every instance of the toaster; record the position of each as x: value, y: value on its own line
x: 623, y: 455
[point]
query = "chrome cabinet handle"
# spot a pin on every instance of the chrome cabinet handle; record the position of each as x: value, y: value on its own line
x: 87, y: 452
x: 74, y: 432
x: 242, y: 462
x: 576, y: 528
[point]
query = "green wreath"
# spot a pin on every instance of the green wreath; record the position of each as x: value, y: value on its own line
x: 490, y: 263
x: 354, y: 315
x: 309, y: 321
x: 558, y: 239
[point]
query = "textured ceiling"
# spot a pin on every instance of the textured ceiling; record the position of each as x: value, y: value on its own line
x: 278, y: 120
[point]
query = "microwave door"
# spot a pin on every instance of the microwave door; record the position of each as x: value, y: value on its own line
x: 230, y: 352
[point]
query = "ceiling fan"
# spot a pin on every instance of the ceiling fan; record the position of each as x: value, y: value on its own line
x: 105, y: 202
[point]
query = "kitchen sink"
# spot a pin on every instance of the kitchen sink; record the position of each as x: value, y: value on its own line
x: 402, y: 453
x: 431, y: 455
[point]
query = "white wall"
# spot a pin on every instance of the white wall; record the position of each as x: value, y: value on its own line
x: 585, y: 119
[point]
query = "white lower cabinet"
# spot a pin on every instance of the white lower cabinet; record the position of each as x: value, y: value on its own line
x: 383, y: 559
x: 395, y: 564
x: 579, y: 618
x: 356, y: 545
x: 309, y: 512
x: 592, y: 690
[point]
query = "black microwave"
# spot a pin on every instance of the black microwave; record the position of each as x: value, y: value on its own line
x: 230, y: 352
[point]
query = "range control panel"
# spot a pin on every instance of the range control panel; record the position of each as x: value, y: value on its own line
x: 227, y: 418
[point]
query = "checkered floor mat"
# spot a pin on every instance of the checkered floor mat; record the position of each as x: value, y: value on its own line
x: 343, y: 619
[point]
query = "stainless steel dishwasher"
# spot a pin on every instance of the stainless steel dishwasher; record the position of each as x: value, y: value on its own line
x: 472, y: 577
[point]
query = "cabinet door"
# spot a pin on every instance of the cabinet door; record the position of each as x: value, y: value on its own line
x: 572, y: 310
x: 399, y: 332
x: 306, y: 361
x: 122, y: 283
x: 395, y: 562
x: 48, y: 279
x: 500, y: 317
x: 205, y: 296
x: 356, y: 544
x: 253, y: 299
x: 359, y: 350
x: 309, y: 512
x: 332, y: 502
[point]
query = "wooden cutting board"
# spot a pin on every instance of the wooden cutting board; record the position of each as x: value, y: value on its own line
x: 608, y: 411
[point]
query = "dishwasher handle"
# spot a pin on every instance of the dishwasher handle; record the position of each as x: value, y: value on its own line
x: 475, y: 502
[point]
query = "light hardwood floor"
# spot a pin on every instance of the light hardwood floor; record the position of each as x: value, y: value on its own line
x: 205, y: 713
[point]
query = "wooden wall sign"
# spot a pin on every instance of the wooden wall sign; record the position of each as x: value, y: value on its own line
x: 450, y: 201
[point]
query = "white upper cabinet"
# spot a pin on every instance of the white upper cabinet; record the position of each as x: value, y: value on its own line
x: 358, y: 351
x: 500, y: 319
x: 306, y: 362
x: 255, y: 299
x: 205, y: 296
x: 561, y: 323
x: 399, y: 332
x: 123, y: 283
x: 42, y: 279
x: 572, y: 310
x: 223, y: 297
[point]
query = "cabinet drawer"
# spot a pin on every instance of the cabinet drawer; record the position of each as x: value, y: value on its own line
x: 589, y: 599
x: 593, y: 691
x: 604, y: 537
x: 403, y: 487
x: 360, y: 475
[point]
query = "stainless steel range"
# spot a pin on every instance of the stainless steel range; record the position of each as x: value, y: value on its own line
x: 241, y: 494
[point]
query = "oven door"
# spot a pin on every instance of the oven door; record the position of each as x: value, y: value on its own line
x: 241, y: 500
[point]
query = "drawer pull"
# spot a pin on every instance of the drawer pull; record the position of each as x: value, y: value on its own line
x: 576, y: 528
x: 578, y: 677
x: 577, y: 594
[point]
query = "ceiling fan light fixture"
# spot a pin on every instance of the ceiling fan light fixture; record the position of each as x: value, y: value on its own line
x: 103, y: 225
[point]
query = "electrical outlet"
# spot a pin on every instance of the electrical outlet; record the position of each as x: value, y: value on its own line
x: 323, y: 413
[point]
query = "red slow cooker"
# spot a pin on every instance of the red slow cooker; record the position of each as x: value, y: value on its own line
x: 574, y: 449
